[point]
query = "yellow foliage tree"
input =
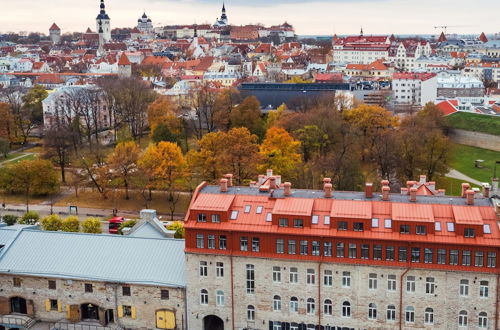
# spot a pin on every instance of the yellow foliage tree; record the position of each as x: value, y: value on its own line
x: 123, y: 161
x: 164, y: 111
x: 274, y: 117
x: 207, y: 161
x: 280, y: 151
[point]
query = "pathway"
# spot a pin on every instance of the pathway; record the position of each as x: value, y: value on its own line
x: 460, y: 176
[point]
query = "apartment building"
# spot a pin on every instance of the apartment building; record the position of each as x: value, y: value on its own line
x: 414, y: 88
x: 360, y: 49
x: 272, y: 257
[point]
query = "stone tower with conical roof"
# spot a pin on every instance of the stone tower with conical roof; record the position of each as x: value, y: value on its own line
x: 103, y: 20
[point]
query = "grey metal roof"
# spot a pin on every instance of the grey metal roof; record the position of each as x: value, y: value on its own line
x: 110, y: 258
x: 146, y: 230
x: 347, y: 195
x: 6, y: 235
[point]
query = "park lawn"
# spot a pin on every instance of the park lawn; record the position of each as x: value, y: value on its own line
x: 452, y: 186
x: 25, y: 157
x: 463, y: 158
x: 475, y: 122
x: 92, y: 199
x: 20, y: 199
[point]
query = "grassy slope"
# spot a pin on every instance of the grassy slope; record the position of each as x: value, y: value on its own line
x: 475, y: 122
x: 463, y: 161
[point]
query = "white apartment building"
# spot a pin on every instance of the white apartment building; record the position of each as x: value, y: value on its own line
x: 414, y: 88
x: 360, y: 49
x: 405, y: 53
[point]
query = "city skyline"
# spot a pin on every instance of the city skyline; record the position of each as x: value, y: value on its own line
x: 340, y: 17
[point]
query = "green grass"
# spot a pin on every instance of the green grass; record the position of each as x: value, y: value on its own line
x: 463, y: 161
x: 475, y: 122
x: 452, y: 186
x: 25, y: 157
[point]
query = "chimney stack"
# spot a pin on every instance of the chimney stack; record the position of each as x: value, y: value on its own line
x: 486, y: 190
x: 229, y: 178
x: 262, y: 179
x: 470, y: 197
x: 385, y: 193
x: 413, y: 194
x: 409, y: 185
x: 384, y: 183
x: 269, y: 172
x: 441, y: 192
x: 328, y: 189
x: 423, y: 179
x: 494, y: 184
x: 288, y: 188
x: 465, y: 187
x: 223, y: 185
x: 369, y: 190
x: 272, y: 182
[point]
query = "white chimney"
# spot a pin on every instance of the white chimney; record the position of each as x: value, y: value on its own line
x: 262, y: 179
x: 288, y: 188
x: 223, y: 185
x: 269, y: 172
x: 486, y: 190
x: 423, y: 179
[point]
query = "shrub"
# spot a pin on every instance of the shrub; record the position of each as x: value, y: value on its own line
x: 178, y: 226
x: 92, y: 226
x: 51, y: 223
x: 10, y: 219
x: 126, y: 224
x: 71, y: 224
x: 29, y: 218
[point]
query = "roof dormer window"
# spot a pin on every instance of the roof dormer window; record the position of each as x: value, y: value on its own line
x: 202, y: 217
x: 387, y: 223
x: 469, y: 232
x: 248, y: 208
x: 437, y: 226
x: 259, y: 210
x: 315, y: 219
x: 487, y: 229
x: 450, y: 226
x: 327, y: 219
x: 374, y: 223
x: 298, y: 223
x: 234, y: 215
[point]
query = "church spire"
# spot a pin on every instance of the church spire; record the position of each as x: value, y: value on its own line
x: 103, y: 7
x: 361, y: 32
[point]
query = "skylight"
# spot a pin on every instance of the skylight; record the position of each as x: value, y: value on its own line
x: 259, y: 210
x: 388, y: 223
x: 450, y: 226
x: 487, y: 229
x: 374, y: 223
x: 269, y: 217
x: 327, y: 219
x: 437, y: 226
x: 315, y: 219
x: 247, y: 208
x: 234, y: 215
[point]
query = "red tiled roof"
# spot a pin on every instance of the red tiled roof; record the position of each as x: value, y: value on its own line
x: 213, y: 202
x: 412, y: 212
x: 351, y: 209
x: 124, y: 60
x: 413, y: 76
x: 296, y: 206
x: 446, y: 108
x: 54, y: 27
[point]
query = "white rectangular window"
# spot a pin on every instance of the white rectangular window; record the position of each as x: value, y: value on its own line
x: 211, y: 242
x: 437, y: 226
x: 315, y: 219
x: 269, y: 217
x: 250, y: 278
x: 234, y: 215
x: 410, y: 284
x: 311, y: 276
x: 450, y: 226
x: 258, y: 210
x: 276, y: 274
x: 391, y: 282
x: 487, y: 229
x: 199, y: 241
x: 294, y: 275
x: 429, y: 285
x: 372, y: 281
x: 203, y: 269
x: 215, y: 218
x: 219, y: 269
x: 346, y: 279
x: 387, y: 223
x: 328, y: 278
x: 248, y: 208
x: 326, y: 219
x: 374, y: 223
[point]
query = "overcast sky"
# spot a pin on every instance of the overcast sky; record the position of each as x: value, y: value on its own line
x: 308, y: 17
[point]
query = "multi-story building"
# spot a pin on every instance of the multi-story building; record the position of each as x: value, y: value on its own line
x: 404, y: 53
x: 360, y: 49
x: 451, y: 85
x: 414, y: 88
x: 271, y: 257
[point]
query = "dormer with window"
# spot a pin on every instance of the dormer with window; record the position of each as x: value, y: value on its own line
x: 468, y: 221
x: 293, y: 213
x: 412, y: 219
x: 351, y: 215
x: 211, y: 208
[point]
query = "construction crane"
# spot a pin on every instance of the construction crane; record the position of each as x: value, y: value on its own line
x: 445, y: 27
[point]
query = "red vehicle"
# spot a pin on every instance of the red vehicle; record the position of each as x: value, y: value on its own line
x: 114, y: 224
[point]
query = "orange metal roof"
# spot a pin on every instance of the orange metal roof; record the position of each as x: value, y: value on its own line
x: 351, y: 209
x: 412, y: 212
x: 213, y: 202
x: 467, y: 215
x: 294, y: 206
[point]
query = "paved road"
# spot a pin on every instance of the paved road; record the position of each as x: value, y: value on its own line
x: 460, y: 176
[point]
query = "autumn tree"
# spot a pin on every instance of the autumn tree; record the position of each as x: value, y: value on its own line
x: 247, y: 114
x: 206, y: 161
x: 58, y: 145
x: 274, y: 117
x: 71, y: 224
x: 225, y: 102
x: 280, y: 151
x: 92, y: 226
x: 123, y: 161
x: 30, y: 177
x: 7, y: 126
x: 51, y: 222
x: 164, y: 112
x: 203, y: 101
x: 241, y: 154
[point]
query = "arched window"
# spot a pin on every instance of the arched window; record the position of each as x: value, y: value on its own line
x: 294, y: 305
x: 372, y: 311
x: 219, y: 297
x: 328, y: 307
x: 483, y: 320
x: 250, y: 313
x: 311, y: 306
x: 462, y: 319
x: 410, y: 314
x: 204, y: 297
x: 346, y: 309
x: 391, y: 313
x: 277, y: 303
x: 429, y: 316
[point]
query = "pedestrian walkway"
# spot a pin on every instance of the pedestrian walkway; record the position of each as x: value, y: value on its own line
x: 460, y: 176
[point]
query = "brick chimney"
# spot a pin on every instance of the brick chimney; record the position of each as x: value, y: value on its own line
x: 409, y: 184
x: 288, y: 188
x: 385, y: 193
x: 262, y: 179
x: 223, y: 185
x: 328, y: 189
x: 229, y: 178
x: 486, y: 190
x: 269, y: 172
x: 272, y: 182
x: 369, y: 190
x: 423, y: 179
x: 413, y: 194
x: 384, y: 183
x: 470, y: 197
x: 465, y: 187
x: 404, y: 191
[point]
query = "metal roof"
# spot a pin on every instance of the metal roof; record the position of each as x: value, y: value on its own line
x: 110, y: 258
x: 6, y: 235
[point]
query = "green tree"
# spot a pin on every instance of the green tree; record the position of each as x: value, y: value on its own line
x: 178, y: 227
x: 92, y: 226
x: 126, y: 224
x: 247, y: 114
x: 162, y: 133
x: 10, y: 219
x: 29, y: 218
x: 51, y: 223
x: 71, y: 224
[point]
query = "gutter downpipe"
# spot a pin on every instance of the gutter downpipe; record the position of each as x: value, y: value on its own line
x: 232, y: 280
x: 185, y: 317
x: 408, y: 267
x: 496, y: 302
x: 319, y: 283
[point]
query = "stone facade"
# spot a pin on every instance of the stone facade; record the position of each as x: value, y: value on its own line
x: 144, y: 301
x: 446, y: 300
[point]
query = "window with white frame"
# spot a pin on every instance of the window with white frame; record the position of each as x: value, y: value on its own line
x: 203, y: 268
x: 219, y: 269
x: 328, y: 307
x: 391, y: 282
x: 244, y: 243
x: 328, y: 278
x: 346, y: 279
x: 250, y: 313
x: 479, y: 259
x: 372, y: 311
x: 311, y: 306
x: 389, y: 253
x: 483, y: 320
x: 315, y: 251
x: 327, y: 250
x: 346, y: 309
x: 280, y: 246
x: 492, y: 259
x: 276, y: 303
x: 391, y: 313
x: 255, y: 244
x: 199, y: 241
x: 429, y: 316
x: 410, y: 283
x: 303, y: 248
x: 202, y: 217
x: 292, y: 246
x: 465, y: 258
x: 463, y: 319
x: 248, y: 208
x: 294, y: 305
x: 372, y: 281
x: 250, y: 272
x: 429, y: 285
x: 204, y: 297
x: 294, y: 275
x: 276, y: 274
x: 464, y: 288
x: 215, y: 218
x: 219, y: 298
x: 483, y: 289
x: 211, y: 242
x: 234, y: 215
x: 410, y: 314
x: 222, y: 242
x: 311, y: 276
x: 340, y: 250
